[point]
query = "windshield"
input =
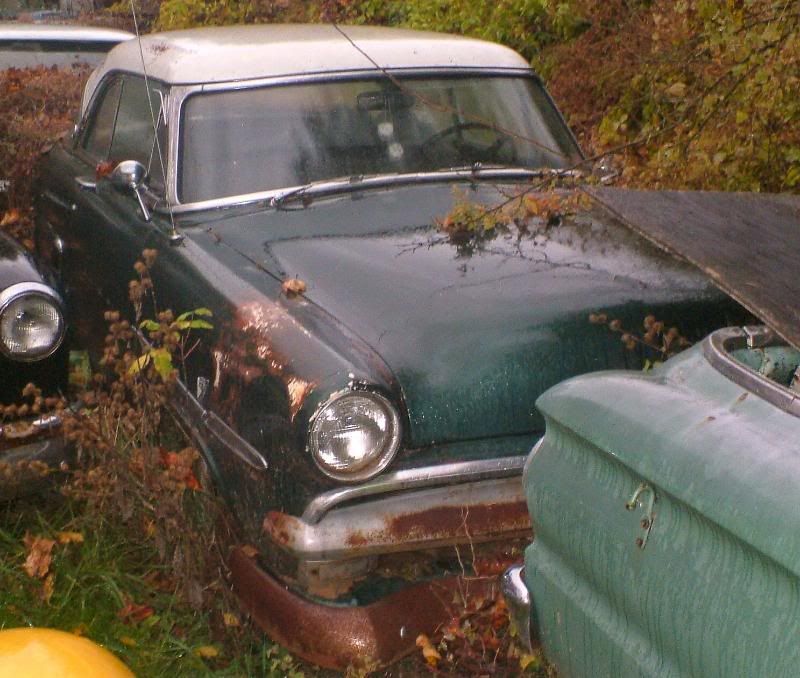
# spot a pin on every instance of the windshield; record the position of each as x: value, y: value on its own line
x: 259, y: 139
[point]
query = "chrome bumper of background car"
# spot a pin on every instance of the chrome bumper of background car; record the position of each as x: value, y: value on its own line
x: 29, y: 454
x: 518, y: 601
x: 470, y: 512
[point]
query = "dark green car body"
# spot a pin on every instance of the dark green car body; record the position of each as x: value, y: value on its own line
x: 459, y: 338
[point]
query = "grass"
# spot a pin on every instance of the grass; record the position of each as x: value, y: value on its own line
x: 94, y: 581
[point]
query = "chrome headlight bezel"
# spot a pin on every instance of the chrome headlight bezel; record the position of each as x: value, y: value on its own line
x: 374, y: 463
x: 15, y: 293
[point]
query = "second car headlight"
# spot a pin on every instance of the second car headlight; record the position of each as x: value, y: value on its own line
x: 354, y: 435
x: 31, y: 321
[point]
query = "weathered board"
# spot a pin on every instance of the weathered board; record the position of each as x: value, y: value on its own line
x: 747, y: 243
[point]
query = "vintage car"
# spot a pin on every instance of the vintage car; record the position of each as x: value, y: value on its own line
x: 664, y: 503
x: 32, y: 327
x: 24, y: 45
x: 365, y: 399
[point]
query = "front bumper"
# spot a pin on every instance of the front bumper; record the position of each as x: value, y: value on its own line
x: 518, y: 601
x: 343, y: 532
x: 342, y: 636
x: 30, y: 452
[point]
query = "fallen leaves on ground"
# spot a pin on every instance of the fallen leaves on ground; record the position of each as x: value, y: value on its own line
x: 40, y: 556
x: 133, y: 613
x: 69, y: 537
x: 206, y: 651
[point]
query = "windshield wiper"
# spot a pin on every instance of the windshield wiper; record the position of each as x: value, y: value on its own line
x: 307, y: 192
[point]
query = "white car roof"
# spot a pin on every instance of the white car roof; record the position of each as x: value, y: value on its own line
x: 57, y: 32
x: 231, y: 53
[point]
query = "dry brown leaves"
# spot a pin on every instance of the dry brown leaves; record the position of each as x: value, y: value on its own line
x: 37, y: 106
x: 39, y: 558
x: 133, y: 613
x: 293, y: 287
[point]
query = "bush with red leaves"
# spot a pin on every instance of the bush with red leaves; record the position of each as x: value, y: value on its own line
x: 37, y: 106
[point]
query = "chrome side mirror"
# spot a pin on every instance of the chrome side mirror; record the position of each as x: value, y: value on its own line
x: 130, y: 175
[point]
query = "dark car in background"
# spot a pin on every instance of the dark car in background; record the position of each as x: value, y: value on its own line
x: 365, y: 399
x: 32, y: 351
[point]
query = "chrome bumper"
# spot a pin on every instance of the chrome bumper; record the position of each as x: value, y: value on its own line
x: 25, y: 467
x: 518, y: 601
x: 408, y: 516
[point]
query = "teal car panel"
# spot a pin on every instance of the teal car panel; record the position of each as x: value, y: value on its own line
x: 664, y: 509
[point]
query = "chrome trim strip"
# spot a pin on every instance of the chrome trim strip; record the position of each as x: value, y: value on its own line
x: 201, y: 420
x: 716, y: 349
x: 518, y: 602
x: 426, y: 476
x: 272, y: 197
x: 13, y: 292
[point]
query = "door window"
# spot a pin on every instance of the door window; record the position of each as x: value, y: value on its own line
x: 123, y: 127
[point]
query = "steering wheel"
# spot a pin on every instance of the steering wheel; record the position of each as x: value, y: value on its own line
x: 484, y: 151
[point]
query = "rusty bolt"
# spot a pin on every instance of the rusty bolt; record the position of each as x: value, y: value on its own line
x: 645, y: 523
x: 640, y: 542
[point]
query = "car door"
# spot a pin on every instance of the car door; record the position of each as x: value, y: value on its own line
x: 102, y: 229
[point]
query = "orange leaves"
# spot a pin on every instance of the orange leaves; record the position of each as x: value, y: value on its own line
x: 39, y: 558
x: 103, y: 169
x: 17, y: 224
x: 10, y: 217
x: 133, y: 613
x: 293, y: 287
x: 37, y: 105
x: 429, y: 652
x: 206, y: 652
x: 69, y: 537
x: 179, y: 466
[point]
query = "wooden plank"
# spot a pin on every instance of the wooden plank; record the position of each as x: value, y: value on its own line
x: 747, y: 243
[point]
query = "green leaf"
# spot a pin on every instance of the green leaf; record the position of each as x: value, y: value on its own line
x: 139, y: 364
x: 162, y: 361
x: 200, y: 325
x: 190, y: 314
x: 150, y: 325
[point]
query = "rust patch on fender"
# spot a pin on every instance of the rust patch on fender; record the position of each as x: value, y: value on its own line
x: 246, y: 352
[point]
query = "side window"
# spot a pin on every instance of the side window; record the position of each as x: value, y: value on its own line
x: 122, y: 128
x: 133, y: 134
x: 97, y: 141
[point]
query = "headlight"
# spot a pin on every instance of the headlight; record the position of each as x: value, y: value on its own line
x: 354, y: 435
x: 31, y: 322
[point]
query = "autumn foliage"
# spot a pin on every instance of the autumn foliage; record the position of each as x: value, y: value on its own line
x: 37, y: 106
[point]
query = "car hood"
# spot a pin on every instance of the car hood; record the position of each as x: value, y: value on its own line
x: 473, y: 334
x: 746, y: 242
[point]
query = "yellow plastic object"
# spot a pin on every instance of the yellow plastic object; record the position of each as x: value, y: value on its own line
x: 40, y: 653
